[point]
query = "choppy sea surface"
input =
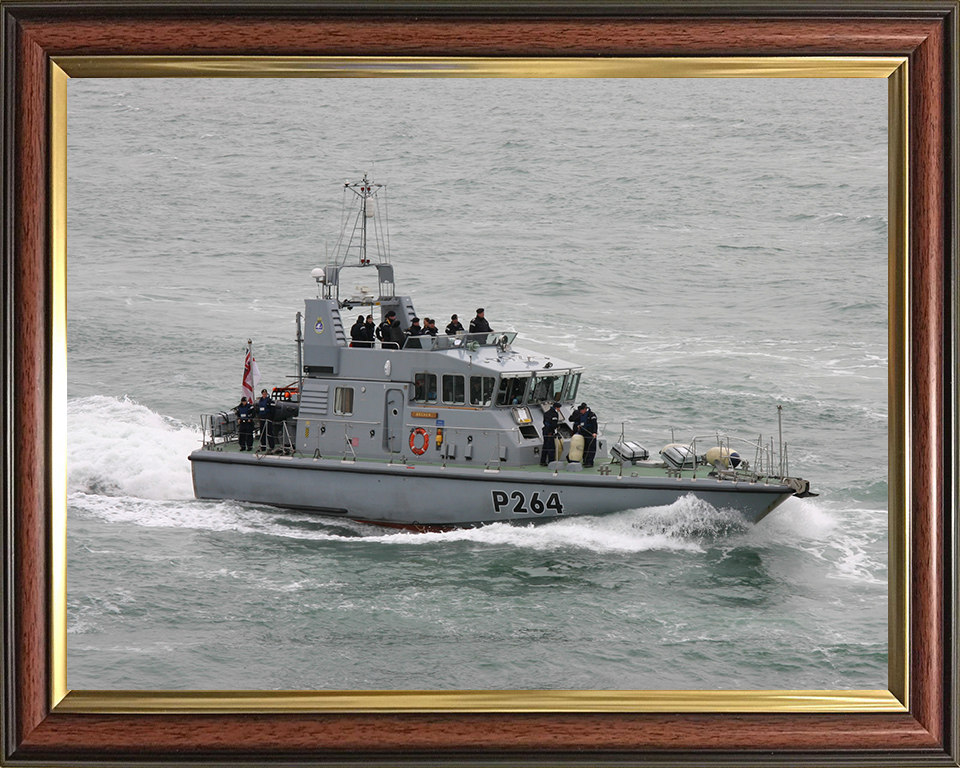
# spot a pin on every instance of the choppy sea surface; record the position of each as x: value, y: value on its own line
x: 708, y: 249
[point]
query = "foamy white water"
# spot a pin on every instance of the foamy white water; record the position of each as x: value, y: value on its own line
x: 119, y: 447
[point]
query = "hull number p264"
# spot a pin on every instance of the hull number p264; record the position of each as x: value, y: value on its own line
x: 520, y: 504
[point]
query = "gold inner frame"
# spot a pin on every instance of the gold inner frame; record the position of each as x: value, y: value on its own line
x: 895, y: 699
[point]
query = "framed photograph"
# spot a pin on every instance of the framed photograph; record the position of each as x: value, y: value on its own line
x: 196, y: 705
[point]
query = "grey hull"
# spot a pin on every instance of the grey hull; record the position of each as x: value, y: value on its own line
x: 444, y: 497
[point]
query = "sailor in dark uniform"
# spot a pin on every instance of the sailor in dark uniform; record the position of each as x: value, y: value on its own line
x: 245, y: 424
x: 357, y: 334
x: 383, y: 330
x: 394, y: 333
x: 265, y: 412
x: 479, y: 324
x: 585, y: 423
x: 454, y: 327
x: 551, y: 418
x: 369, y: 332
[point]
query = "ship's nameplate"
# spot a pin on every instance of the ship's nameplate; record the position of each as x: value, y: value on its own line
x: 424, y: 414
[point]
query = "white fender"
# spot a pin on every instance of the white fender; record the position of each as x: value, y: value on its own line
x: 576, y: 448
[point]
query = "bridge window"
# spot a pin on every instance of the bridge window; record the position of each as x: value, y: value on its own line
x: 512, y: 391
x: 572, y: 385
x: 425, y: 388
x: 453, y: 389
x: 481, y: 390
x: 546, y: 389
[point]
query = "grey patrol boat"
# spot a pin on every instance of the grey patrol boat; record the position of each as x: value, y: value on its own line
x: 439, y: 432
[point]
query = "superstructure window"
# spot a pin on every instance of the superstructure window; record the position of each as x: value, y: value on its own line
x: 343, y: 401
x: 511, y: 391
x: 425, y: 388
x: 481, y: 390
x: 546, y: 389
x: 572, y: 385
x: 453, y: 393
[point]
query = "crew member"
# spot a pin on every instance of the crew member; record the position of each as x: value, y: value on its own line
x: 383, y: 330
x: 454, y: 326
x: 429, y: 327
x: 585, y: 423
x: 551, y: 418
x: 265, y: 412
x: 394, y: 333
x: 479, y: 324
x: 356, y: 333
x: 245, y: 424
x: 369, y: 332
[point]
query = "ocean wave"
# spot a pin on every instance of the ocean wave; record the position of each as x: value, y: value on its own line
x: 117, y: 447
x: 680, y: 527
x: 846, y: 540
x: 874, y: 222
x: 688, y: 525
x: 843, y: 540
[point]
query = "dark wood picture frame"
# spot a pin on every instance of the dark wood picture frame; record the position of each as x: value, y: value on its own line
x: 925, y: 32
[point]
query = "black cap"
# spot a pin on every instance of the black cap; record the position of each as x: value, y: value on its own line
x: 453, y: 317
x: 391, y: 313
x: 415, y: 320
x: 556, y: 404
x: 480, y: 311
x: 581, y: 406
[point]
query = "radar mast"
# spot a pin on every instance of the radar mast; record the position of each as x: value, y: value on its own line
x: 364, y: 242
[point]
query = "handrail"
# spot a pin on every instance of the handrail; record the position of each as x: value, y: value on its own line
x: 428, y: 343
x: 209, y: 429
x: 348, y: 422
x: 230, y: 432
x: 483, y: 430
x: 764, y: 454
x: 347, y: 441
x: 445, y: 427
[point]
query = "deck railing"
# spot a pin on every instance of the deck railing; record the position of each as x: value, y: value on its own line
x: 471, y: 341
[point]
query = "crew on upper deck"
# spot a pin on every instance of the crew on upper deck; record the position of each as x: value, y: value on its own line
x: 394, y: 334
x: 384, y: 327
x: 363, y: 332
x: 357, y: 333
x: 479, y: 324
